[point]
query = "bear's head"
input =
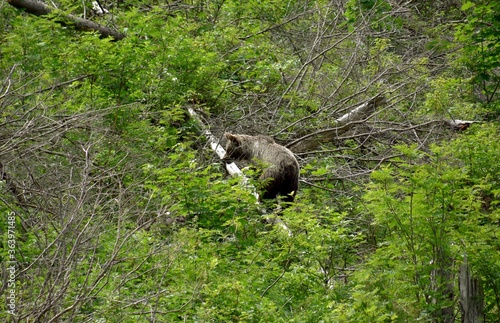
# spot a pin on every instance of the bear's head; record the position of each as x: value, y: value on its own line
x: 235, y: 148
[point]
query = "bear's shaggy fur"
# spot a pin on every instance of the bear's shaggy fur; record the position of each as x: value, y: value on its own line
x: 281, y: 173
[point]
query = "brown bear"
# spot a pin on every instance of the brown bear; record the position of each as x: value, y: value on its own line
x: 280, y: 175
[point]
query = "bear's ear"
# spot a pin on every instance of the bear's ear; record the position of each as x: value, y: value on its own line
x: 233, y: 138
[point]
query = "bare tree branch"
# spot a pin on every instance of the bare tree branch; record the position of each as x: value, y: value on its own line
x: 343, y: 124
x: 56, y: 86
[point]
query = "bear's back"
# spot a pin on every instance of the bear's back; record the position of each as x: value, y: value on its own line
x: 281, y: 165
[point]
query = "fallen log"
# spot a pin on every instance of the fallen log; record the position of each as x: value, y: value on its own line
x: 40, y: 9
x: 231, y: 168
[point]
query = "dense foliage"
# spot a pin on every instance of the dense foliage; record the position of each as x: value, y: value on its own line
x: 114, y: 209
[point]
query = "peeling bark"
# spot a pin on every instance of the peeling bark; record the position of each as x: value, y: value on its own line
x: 458, y: 125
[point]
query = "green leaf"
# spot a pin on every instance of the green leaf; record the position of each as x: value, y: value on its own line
x: 466, y: 6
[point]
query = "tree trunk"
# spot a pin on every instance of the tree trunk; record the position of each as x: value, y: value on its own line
x: 471, y: 296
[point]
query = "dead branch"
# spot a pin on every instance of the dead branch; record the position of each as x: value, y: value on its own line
x: 343, y: 124
x: 215, y: 144
x: 458, y: 125
x: 56, y: 86
x: 12, y: 185
x: 40, y: 9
